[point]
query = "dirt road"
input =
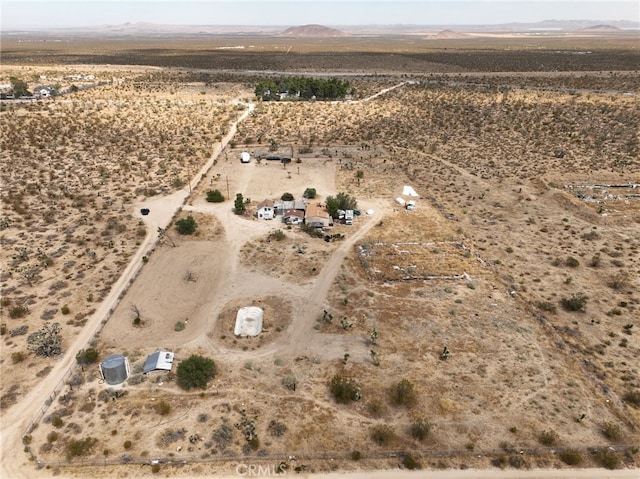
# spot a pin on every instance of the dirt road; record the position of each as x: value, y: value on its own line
x: 15, y: 421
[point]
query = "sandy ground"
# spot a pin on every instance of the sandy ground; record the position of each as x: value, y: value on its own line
x: 215, y: 256
x: 14, y: 422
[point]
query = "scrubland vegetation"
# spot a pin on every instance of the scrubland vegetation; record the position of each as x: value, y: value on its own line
x: 504, y: 308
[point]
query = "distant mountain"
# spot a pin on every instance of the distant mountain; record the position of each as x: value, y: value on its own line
x: 450, y: 34
x: 312, y: 31
x: 601, y: 29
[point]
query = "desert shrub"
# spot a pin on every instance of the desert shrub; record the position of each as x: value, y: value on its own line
x: 611, y: 431
x: 195, y: 372
x: 286, y: 197
x: 277, y: 235
x: 223, y: 436
x: 608, y: 459
x: 163, y: 408
x: 571, y: 457
x: 65, y: 309
x: 309, y: 193
x: 276, y: 428
x: 289, y: 382
x: 402, y: 393
x: 186, y: 226
x: 155, y: 468
x: 127, y: 444
x: 344, y: 390
x: 52, y: 436
x: 546, y: 306
x: 382, y: 434
x: 618, y: 281
x: 548, y: 438
x: 411, y: 463
x: 47, y: 341
x: 19, y: 311
x: 215, y: 196
x: 179, y: 326
x: 171, y: 435
x: 517, y: 462
x: 79, y: 447
x: 355, y: 455
x: 577, y: 302
x: 56, y: 421
x: 420, y: 428
x: 87, y: 356
x: 375, y: 407
x: 595, y: 260
x: 571, y: 262
x: 632, y: 397
x: 18, y: 357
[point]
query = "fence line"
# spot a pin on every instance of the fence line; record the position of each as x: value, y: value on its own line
x: 263, y: 457
x: 51, y: 398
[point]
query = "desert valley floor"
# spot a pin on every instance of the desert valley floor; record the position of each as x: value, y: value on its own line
x: 521, y: 259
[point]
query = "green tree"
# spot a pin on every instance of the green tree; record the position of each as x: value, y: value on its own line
x: 195, y: 372
x: 87, y: 356
x: 186, y: 226
x: 342, y: 201
x: 19, y: 87
x: 309, y: 193
x: 238, y: 204
x: 215, y: 196
x: 286, y: 197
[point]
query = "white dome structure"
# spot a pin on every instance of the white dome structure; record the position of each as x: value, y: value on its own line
x: 249, y: 321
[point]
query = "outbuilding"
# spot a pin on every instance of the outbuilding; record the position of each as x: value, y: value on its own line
x: 158, y: 361
x: 265, y: 210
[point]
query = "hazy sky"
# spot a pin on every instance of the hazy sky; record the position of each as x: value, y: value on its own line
x: 26, y: 13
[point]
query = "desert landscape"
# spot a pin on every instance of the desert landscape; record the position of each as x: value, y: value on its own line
x: 493, y: 326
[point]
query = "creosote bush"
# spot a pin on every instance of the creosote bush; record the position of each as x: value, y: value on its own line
x: 402, y: 393
x: 611, y: 431
x: 186, y: 226
x: 420, y: 428
x: 571, y: 457
x: 344, y: 390
x: 548, y: 438
x: 382, y: 434
x: 576, y: 302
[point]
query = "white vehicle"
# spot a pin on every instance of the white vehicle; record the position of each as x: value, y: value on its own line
x: 348, y: 217
x: 411, y: 205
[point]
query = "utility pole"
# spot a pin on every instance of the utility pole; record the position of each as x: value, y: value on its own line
x: 228, y: 195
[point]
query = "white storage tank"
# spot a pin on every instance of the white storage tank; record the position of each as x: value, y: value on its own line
x: 114, y: 369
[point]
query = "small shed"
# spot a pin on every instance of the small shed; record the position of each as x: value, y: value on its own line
x: 245, y: 157
x: 114, y: 369
x: 158, y: 361
x: 249, y: 321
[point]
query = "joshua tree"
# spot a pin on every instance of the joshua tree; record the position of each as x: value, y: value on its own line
x: 374, y: 336
x: 374, y: 357
x: 162, y: 234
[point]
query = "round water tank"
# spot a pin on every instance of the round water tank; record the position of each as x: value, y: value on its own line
x: 115, y: 369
